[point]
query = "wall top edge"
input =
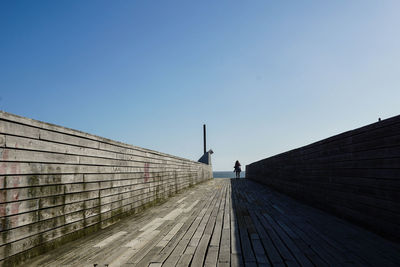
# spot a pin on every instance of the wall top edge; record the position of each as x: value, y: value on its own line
x: 376, y: 125
x: 6, y: 116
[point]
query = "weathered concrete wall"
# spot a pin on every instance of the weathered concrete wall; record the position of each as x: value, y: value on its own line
x: 57, y: 184
x: 355, y: 175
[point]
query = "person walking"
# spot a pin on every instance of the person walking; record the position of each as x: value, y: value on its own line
x: 237, y: 169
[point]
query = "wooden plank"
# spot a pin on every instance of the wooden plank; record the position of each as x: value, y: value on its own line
x: 256, y: 243
x: 2, y: 140
x: 55, y: 182
x: 341, y: 256
x: 72, y: 217
x: 146, y: 255
x: 178, y: 244
x: 34, y: 156
x: 297, y: 231
x: 236, y: 252
x: 301, y: 230
x: 278, y: 243
x: 209, y: 219
x: 214, y: 245
x: 272, y: 253
x: 224, y: 257
x: 47, y: 146
x: 247, y: 252
x: 7, y: 127
x: 305, y: 245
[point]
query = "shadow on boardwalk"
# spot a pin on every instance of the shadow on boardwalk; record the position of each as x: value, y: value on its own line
x: 227, y: 222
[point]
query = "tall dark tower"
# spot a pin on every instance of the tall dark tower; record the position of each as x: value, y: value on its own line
x: 204, y: 138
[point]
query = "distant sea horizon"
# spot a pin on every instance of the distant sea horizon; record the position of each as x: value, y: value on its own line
x: 227, y: 174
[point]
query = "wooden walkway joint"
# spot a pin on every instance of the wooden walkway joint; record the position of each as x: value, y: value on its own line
x: 228, y: 222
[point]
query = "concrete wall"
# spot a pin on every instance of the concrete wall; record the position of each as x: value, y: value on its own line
x: 206, y: 158
x: 58, y: 184
x: 355, y: 175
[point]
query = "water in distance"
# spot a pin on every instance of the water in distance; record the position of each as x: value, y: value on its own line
x: 227, y: 174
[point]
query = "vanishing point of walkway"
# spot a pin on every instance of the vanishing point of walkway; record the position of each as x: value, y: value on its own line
x: 227, y: 222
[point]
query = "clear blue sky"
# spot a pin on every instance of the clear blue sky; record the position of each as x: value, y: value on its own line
x: 265, y: 76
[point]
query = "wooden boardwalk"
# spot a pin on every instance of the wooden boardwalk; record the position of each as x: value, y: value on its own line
x: 227, y: 222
